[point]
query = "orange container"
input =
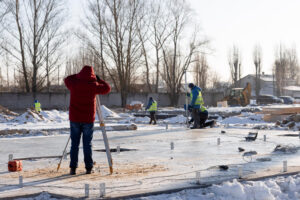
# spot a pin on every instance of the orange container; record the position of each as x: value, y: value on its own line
x: 15, y: 165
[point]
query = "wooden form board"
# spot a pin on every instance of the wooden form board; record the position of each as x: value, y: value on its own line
x: 281, y: 111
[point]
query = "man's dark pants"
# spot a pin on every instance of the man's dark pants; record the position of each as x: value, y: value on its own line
x: 195, y: 115
x: 86, y: 129
x: 152, y: 117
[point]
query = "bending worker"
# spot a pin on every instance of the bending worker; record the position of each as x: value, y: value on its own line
x: 196, y: 104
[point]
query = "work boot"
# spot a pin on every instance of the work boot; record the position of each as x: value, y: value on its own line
x: 89, y: 171
x: 213, y: 124
x: 72, y: 171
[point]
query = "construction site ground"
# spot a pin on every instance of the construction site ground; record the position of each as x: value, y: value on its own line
x: 152, y: 159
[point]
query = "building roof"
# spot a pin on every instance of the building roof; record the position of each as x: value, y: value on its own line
x: 292, y: 88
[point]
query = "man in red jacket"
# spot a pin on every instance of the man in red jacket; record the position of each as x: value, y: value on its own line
x: 83, y: 87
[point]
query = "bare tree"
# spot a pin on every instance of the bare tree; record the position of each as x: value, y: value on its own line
x: 280, y: 70
x: 293, y: 64
x: 37, y: 25
x: 175, y: 60
x: 201, y: 71
x: 257, y: 56
x: 116, y: 22
x: 234, y: 60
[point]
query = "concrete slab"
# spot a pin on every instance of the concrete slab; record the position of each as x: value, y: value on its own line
x: 154, y: 167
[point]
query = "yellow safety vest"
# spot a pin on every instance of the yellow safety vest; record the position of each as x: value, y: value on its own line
x: 153, y: 106
x: 37, y: 107
x: 199, y: 100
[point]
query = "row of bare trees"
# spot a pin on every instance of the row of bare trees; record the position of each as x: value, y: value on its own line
x: 286, y: 68
x: 31, y: 37
x: 141, y: 41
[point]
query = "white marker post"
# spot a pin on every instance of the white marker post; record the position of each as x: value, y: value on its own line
x: 265, y: 138
x: 167, y: 126
x: 10, y: 157
x: 219, y: 141
x: 21, y: 181
x: 198, y: 175
x: 118, y: 149
x: 240, y: 171
x: 284, y: 166
x: 102, y: 189
x: 172, y: 145
x: 87, y: 190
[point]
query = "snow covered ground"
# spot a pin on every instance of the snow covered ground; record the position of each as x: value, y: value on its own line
x: 162, y: 157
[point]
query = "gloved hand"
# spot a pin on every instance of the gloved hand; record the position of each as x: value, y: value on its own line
x: 190, y: 107
x: 97, y: 77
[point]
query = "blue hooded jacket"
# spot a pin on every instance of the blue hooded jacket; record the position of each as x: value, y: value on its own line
x: 195, y: 92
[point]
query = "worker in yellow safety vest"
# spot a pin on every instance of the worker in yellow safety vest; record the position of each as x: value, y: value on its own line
x: 152, y: 108
x: 199, y: 111
x: 37, y: 106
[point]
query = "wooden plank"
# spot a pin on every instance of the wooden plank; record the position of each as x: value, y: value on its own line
x: 281, y: 111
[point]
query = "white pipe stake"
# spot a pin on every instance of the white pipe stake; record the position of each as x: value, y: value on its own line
x: 118, y: 149
x: 265, y: 138
x: 102, y: 189
x: 172, y: 145
x: 21, y: 181
x: 87, y: 190
x: 299, y: 135
x: 10, y: 157
x: 198, y: 177
x: 167, y: 126
x: 285, y: 166
x: 219, y: 141
x: 240, y: 172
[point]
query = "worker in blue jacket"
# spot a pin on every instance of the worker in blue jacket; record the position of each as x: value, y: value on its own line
x: 197, y: 104
x: 152, y: 108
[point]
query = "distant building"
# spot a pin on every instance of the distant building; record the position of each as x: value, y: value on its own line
x: 266, y: 84
x: 293, y: 91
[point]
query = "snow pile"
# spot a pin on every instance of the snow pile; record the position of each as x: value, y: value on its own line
x: 28, y: 116
x: 279, y: 188
x: 179, y: 119
x: 244, y: 118
x: 42, y: 196
x: 55, y: 115
x: 107, y: 112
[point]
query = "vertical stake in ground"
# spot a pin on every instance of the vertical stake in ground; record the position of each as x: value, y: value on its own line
x: 198, y: 177
x: 87, y: 190
x: 240, y: 171
x: 21, y: 181
x: 10, y: 157
x: 102, y: 189
x: 102, y: 125
x: 284, y: 166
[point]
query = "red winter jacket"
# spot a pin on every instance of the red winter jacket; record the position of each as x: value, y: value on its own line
x: 83, y: 88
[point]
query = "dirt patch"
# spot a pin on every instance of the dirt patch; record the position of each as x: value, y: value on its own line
x: 120, y: 171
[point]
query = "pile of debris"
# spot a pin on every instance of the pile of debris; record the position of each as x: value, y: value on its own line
x: 274, y: 114
x: 289, y: 122
x: 6, y: 114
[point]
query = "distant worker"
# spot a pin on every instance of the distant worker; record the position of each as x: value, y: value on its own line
x: 37, y: 106
x: 83, y: 87
x: 152, y: 108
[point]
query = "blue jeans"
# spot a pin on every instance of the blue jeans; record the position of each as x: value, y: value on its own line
x: 87, y: 135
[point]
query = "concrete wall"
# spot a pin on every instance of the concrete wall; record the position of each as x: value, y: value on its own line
x: 21, y: 101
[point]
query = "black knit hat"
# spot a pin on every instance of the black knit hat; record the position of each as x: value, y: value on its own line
x: 191, y: 85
